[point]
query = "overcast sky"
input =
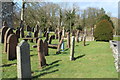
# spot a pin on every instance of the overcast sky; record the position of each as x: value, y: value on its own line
x: 109, y: 5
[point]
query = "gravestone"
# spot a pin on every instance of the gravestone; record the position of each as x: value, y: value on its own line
x: 68, y: 39
x: 40, y: 32
x: 56, y: 34
x: 63, y: 32
x: 28, y: 28
x: 47, y: 36
x: 32, y: 29
x: 59, y: 45
x: 62, y: 46
x: 36, y: 34
x: 36, y: 28
x: 21, y: 32
x: 44, y: 35
x: 8, y: 32
x: 23, y: 60
x: 50, y: 39
x: 11, y: 46
x: 72, y: 48
x: 84, y: 40
x: 17, y: 33
x: 59, y: 35
x: 73, y: 32
x: 77, y: 36
x: 41, y: 56
x: 45, y: 47
x: 3, y: 31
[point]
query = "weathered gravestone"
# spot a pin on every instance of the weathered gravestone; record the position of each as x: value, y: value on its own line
x: 17, y: 33
x: 59, y: 35
x: 3, y: 31
x: 59, y: 45
x: 50, y: 39
x: 41, y: 56
x: 72, y: 48
x: 21, y: 32
x: 28, y: 28
x: 23, y: 60
x: 8, y: 32
x: 11, y: 46
x: 40, y: 32
x: 36, y: 28
x: 84, y: 40
x: 56, y: 34
x: 44, y: 35
x: 47, y: 36
x: 77, y: 36
x: 36, y: 34
x: 45, y: 43
x: 68, y: 39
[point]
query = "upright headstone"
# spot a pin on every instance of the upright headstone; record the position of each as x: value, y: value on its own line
x: 45, y: 43
x: 40, y: 32
x: 56, y: 34
x: 50, y: 39
x: 28, y: 28
x: 59, y: 35
x: 77, y: 36
x: 84, y: 40
x: 47, y: 36
x: 36, y: 28
x: 72, y: 48
x: 11, y: 46
x: 17, y: 33
x: 8, y: 32
x: 59, y: 45
x: 62, y: 46
x: 44, y: 35
x: 41, y: 56
x: 68, y: 39
x: 63, y: 32
x: 23, y: 60
x: 3, y: 31
x: 36, y: 34
x: 21, y: 32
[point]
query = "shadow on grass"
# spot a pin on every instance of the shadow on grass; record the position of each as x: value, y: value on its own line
x: 79, y: 57
x: 34, y: 55
x: 44, y: 73
x: 54, y: 62
x: 7, y: 65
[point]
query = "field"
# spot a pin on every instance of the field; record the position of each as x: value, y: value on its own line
x: 95, y: 60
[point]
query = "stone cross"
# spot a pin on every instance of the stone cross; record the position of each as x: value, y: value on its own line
x: 41, y: 56
x: 23, y: 60
x: 11, y: 46
x: 72, y: 48
x: 3, y: 31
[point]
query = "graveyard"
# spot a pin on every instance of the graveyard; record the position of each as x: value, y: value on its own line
x: 45, y: 40
x: 94, y: 60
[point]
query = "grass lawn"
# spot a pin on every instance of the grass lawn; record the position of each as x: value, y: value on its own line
x: 92, y: 61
